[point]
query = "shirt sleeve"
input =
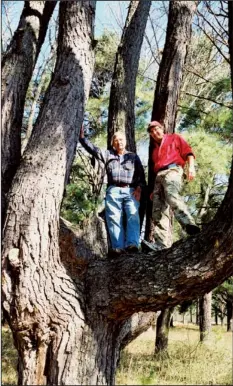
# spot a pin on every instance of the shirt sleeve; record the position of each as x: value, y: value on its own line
x: 185, y: 148
x: 93, y: 150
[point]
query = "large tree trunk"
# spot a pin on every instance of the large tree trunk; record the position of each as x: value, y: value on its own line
x: 44, y: 305
x: 67, y: 311
x: 230, y: 21
x: 169, y: 80
x: 121, y: 114
x: 17, y: 66
x: 165, y: 106
x: 205, y: 316
x: 162, y: 331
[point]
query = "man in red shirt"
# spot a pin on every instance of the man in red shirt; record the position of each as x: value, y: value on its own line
x: 169, y: 155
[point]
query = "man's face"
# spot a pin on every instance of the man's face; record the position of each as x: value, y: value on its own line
x: 119, y: 143
x: 157, y: 133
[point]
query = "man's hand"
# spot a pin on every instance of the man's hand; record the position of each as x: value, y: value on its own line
x: 81, y: 134
x: 137, y: 193
x: 191, y: 168
x: 191, y: 172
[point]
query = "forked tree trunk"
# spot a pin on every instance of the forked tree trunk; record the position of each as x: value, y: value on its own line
x: 122, y: 95
x: 44, y: 305
x: 205, y: 316
x: 17, y: 66
x: 66, y: 311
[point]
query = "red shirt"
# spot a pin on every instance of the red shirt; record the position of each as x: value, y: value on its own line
x: 172, y: 150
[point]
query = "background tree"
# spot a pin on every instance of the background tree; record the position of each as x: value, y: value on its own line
x: 122, y: 95
x: 17, y: 66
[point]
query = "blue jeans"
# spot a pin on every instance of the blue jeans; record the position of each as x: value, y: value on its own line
x: 117, y: 202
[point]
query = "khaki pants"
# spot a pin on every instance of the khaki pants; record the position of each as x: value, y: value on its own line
x: 166, y: 196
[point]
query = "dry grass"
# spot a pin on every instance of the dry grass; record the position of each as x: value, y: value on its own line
x: 189, y: 363
x: 9, y: 358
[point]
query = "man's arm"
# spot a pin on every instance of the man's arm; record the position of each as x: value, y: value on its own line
x: 191, y: 168
x: 90, y: 148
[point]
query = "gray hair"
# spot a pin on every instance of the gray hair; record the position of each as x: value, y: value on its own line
x: 117, y: 134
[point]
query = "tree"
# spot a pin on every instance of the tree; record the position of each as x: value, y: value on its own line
x: 205, y: 316
x: 67, y: 309
x: 170, y: 74
x: 164, y: 110
x: 17, y: 66
x: 122, y: 95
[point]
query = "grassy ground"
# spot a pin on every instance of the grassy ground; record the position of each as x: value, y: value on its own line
x: 189, y: 363
x: 9, y: 358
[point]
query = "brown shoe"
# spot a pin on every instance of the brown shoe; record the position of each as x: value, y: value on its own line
x: 132, y: 249
x: 115, y: 252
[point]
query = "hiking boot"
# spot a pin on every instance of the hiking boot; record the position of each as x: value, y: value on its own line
x: 132, y: 249
x: 192, y: 229
x: 115, y: 252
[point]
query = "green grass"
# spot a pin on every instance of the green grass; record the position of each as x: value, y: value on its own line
x: 189, y: 362
x: 9, y: 358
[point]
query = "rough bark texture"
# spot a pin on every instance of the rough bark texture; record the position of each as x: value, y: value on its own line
x: 205, y: 316
x: 45, y: 309
x: 169, y: 79
x: 162, y: 330
x: 67, y: 310
x: 230, y: 21
x: 122, y: 96
x: 17, y: 66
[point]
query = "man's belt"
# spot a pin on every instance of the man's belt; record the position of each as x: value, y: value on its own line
x: 168, y: 167
x: 121, y: 185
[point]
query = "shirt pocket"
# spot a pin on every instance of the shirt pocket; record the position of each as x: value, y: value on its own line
x: 128, y: 165
x: 112, y: 165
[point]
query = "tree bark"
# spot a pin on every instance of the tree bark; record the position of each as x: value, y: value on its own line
x: 162, y: 331
x: 205, y: 316
x: 66, y: 310
x: 121, y: 114
x: 37, y: 94
x: 230, y: 21
x: 17, y: 66
x: 44, y: 303
x: 169, y: 80
x: 229, y: 306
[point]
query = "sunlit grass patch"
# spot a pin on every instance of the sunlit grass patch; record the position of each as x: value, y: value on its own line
x: 189, y: 362
x: 9, y: 358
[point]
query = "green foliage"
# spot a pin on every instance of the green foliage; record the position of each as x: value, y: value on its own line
x: 206, y: 90
x: 78, y: 203
x: 83, y: 194
x: 213, y: 157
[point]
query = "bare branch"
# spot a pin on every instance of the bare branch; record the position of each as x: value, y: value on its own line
x: 213, y: 42
x: 208, y: 99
